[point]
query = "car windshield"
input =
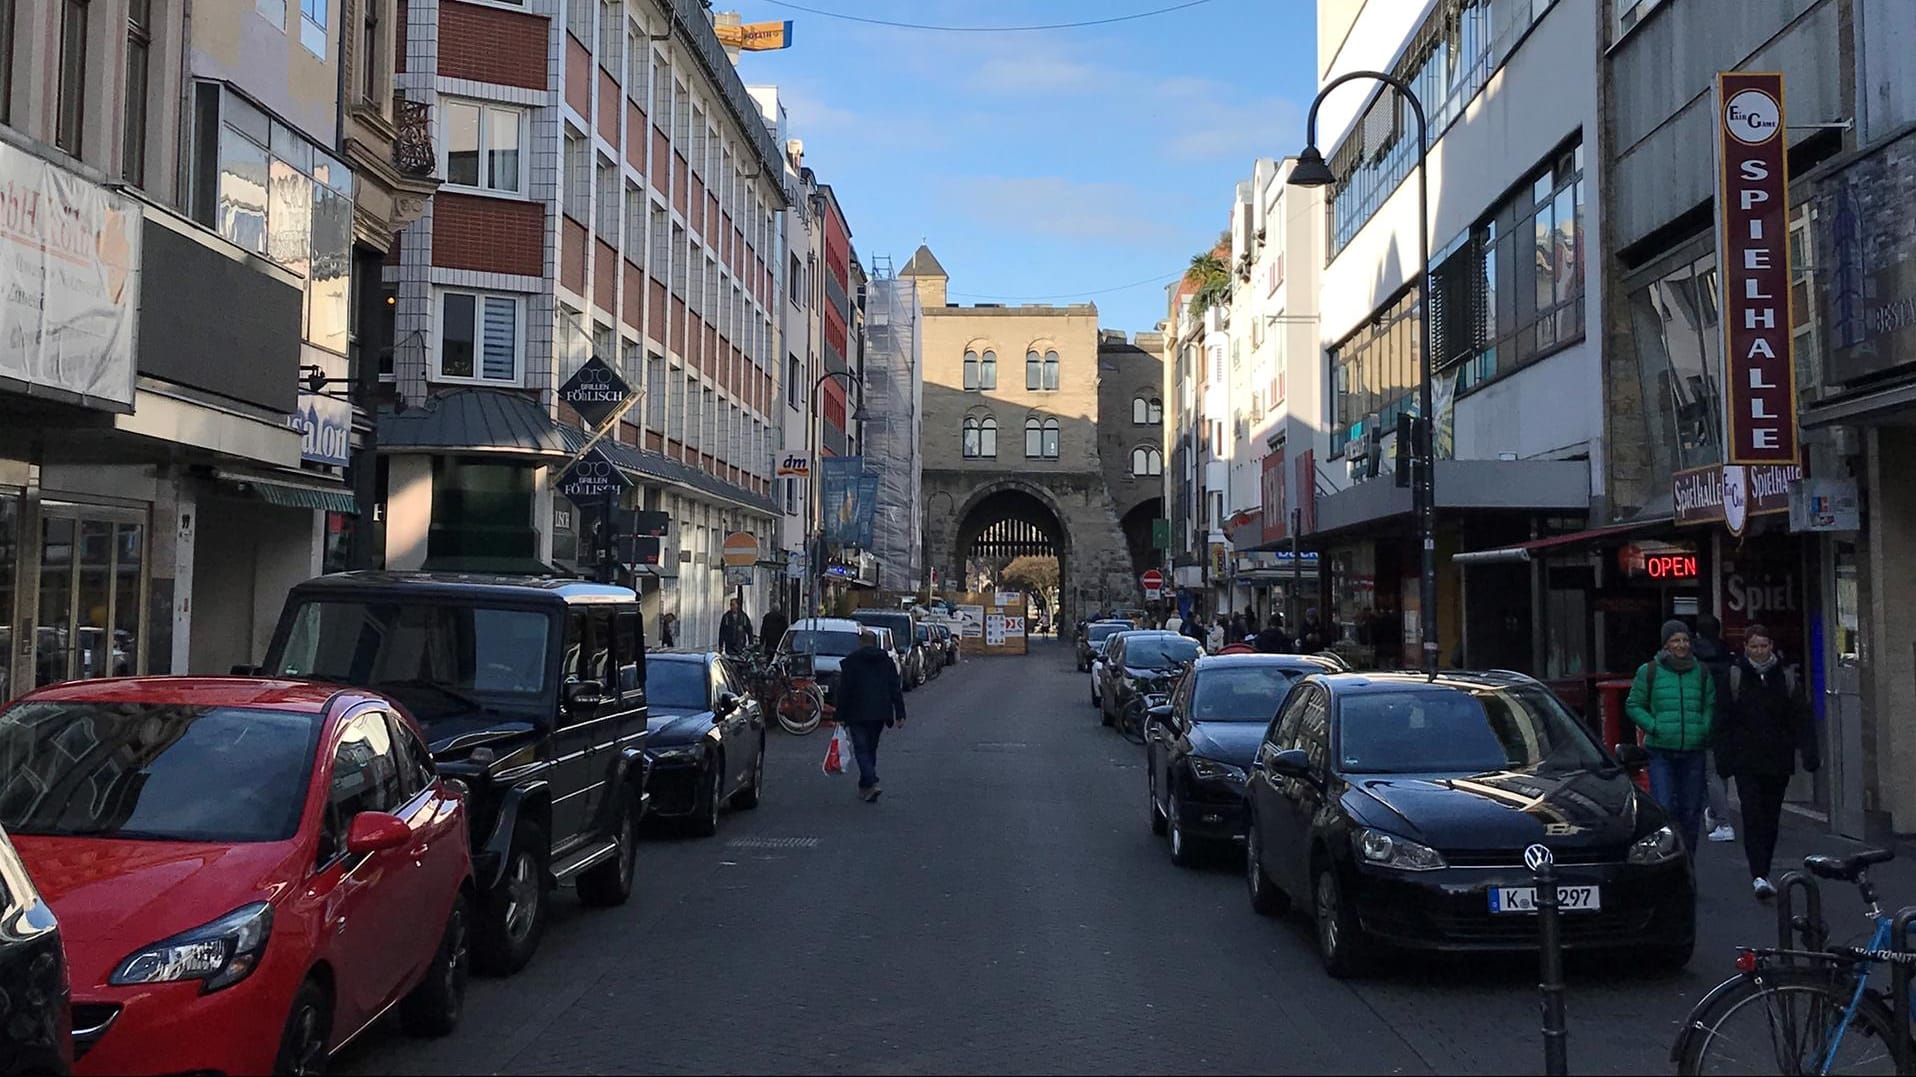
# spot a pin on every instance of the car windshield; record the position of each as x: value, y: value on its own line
x: 1240, y: 693
x: 154, y: 772
x: 468, y: 649
x: 1100, y: 633
x: 679, y: 683
x: 1460, y: 731
x: 1157, y: 652
x: 813, y: 641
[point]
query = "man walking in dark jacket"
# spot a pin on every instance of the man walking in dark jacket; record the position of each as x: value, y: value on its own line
x: 735, y: 629
x: 1763, y: 724
x: 870, y: 698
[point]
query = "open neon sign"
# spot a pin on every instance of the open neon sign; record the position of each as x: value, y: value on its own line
x: 1670, y: 566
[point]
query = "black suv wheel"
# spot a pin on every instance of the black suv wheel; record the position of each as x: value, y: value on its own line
x: 610, y: 883
x: 513, y: 916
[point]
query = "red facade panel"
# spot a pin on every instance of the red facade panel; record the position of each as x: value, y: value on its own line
x: 678, y: 325
x: 712, y: 209
x: 660, y: 162
x: 578, y: 76
x: 605, y: 275
x: 679, y: 176
x: 573, y: 244
x: 695, y: 333
x: 609, y: 98
x: 634, y: 136
x: 490, y: 45
x: 634, y: 296
x: 655, y: 441
x: 491, y: 235
x: 655, y: 310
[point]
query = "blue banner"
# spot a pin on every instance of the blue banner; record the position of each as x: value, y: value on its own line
x: 867, y: 511
x: 838, y: 479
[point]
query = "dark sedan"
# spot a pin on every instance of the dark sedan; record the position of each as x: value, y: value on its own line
x: 1199, y: 746
x: 1399, y: 807
x: 38, y: 1034
x: 708, y: 742
x: 1139, y: 671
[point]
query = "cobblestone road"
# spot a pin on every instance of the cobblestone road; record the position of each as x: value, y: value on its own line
x: 1005, y: 909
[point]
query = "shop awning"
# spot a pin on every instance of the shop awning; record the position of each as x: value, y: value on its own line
x: 1522, y: 552
x: 1861, y: 406
x: 293, y: 495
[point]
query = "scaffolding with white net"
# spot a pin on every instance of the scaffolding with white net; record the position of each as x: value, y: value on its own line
x: 893, y: 403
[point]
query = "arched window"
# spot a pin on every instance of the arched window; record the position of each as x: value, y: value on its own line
x: 1138, y: 411
x: 1156, y: 413
x: 988, y: 371
x: 1146, y: 460
x: 1051, y: 439
x: 971, y: 370
x: 988, y: 438
x: 1034, y: 371
x: 1147, y: 412
x: 1034, y: 438
x: 971, y: 439
x: 1050, y: 370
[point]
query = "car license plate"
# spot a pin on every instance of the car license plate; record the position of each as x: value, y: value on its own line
x: 1524, y: 898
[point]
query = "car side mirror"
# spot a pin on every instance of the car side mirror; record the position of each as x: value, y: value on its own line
x: 1632, y: 757
x: 376, y: 831
x: 728, y: 702
x: 1160, y: 713
x: 1292, y: 763
x: 584, y: 697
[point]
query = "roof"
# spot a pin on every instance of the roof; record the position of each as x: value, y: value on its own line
x: 657, y: 465
x: 827, y: 624
x: 1289, y: 661
x: 261, y: 692
x: 1412, y: 680
x: 473, y: 420
x: 444, y: 583
x: 923, y: 264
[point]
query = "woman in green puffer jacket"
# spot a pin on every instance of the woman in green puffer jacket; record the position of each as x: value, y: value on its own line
x: 1673, y: 700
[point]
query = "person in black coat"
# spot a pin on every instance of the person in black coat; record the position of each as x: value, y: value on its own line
x: 871, y: 698
x: 1273, y: 639
x: 1763, y: 724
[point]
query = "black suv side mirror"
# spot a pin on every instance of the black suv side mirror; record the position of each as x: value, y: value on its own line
x: 584, y: 697
x: 1632, y: 756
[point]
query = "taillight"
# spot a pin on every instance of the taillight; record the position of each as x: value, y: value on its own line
x: 1746, y: 962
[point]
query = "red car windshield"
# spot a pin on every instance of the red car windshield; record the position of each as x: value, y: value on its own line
x: 154, y: 772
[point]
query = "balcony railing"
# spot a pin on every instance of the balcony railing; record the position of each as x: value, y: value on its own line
x: 412, y: 148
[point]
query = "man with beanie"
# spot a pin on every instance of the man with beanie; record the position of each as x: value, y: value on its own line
x: 1765, y: 724
x: 1709, y: 648
x: 1673, y: 700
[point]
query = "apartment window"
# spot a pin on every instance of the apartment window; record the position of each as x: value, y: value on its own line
x: 635, y: 62
x: 606, y: 220
x: 1041, y: 439
x: 369, y: 55
x: 1147, y: 411
x: 634, y: 229
x: 139, y: 41
x: 312, y: 26
x: 981, y: 438
x: 655, y: 393
x: 1041, y: 372
x: 793, y: 289
x: 578, y: 19
x: 478, y: 337
x: 611, y: 34
x: 578, y: 176
x: 1373, y: 373
x: 73, y: 75
x: 1146, y: 460
x: 482, y: 147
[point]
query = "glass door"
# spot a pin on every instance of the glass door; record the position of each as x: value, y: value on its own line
x: 91, y: 611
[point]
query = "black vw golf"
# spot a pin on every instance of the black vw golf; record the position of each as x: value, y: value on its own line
x: 1398, y: 808
x: 1198, y: 747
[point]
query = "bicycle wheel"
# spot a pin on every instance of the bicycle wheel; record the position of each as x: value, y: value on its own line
x: 1788, y: 1024
x: 800, y: 709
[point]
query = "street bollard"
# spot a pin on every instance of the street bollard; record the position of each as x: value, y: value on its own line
x: 1543, y: 869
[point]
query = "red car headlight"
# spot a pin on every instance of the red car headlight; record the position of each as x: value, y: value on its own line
x: 220, y: 954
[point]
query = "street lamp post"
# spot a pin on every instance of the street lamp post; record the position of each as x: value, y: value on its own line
x: 816, y: 516
x: 1311, y: 171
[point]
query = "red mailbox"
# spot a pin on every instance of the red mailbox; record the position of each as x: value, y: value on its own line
x: 1618, y: 729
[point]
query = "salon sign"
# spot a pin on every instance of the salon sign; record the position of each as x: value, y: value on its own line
x: 1752, y: 208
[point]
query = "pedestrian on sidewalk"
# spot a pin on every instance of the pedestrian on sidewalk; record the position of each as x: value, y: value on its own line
x: 669, y: 630
x: 772, y: 629
x: 1763, y: 725
x: 1273, y: 640
x: 1709, y: 648
x: 1673, y: 701
x: 871, y: 699
x: 735, y: 629
x: 1214, y: 639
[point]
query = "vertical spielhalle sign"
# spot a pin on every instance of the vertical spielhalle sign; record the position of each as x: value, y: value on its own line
x: 1759, y: 373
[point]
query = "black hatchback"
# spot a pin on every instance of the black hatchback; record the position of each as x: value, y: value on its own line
x: 1398, y: 808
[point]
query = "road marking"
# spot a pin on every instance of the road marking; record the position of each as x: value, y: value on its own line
x: 1000, y: 746
x: 772, y: 843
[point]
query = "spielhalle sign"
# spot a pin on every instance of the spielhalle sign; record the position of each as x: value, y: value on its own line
x: 1752, y: 201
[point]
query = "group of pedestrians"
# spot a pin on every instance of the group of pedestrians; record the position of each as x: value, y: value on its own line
x: 1745, y: 716
x: 1239, y: 633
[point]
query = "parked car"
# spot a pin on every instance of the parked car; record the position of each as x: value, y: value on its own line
x: 823, y: 642
x: 37, y: 1036
x: 531, y: 691
x: 1199, y: 744
x: 1399, y: 808
x: 932, y: 648
x: 1138, y: 664
x: 946, y: 642
x: 1091, y: 643
x: 707, y: 746
x: 249, y: 872
x: 904, y: 641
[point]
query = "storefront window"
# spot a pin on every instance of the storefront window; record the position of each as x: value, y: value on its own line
x: 339, y: 542
x: 1679, y: 351
x: 92, y: 588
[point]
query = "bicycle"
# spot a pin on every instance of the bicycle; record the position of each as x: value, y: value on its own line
x: 1808, y: 1010
x: 796, y: 701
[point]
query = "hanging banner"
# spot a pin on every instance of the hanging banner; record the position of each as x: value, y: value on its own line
x: 839, y: 486
x: 1753, y: 248
x: 867, y: 511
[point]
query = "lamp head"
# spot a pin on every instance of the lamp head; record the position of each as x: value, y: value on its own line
x: 1310, y: 170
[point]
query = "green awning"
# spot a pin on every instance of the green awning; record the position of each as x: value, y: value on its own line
x: 291, y: 496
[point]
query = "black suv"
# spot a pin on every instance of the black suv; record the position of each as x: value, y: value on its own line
x: 532, y: 692
x: 904, y: 640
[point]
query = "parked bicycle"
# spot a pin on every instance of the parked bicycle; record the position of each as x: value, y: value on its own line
x: 1808, y: 1008
x: 794, y: 697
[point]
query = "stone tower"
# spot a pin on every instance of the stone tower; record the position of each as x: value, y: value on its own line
x: 927, y: 276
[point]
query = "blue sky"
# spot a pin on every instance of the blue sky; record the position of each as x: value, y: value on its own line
x: 1043, y: 166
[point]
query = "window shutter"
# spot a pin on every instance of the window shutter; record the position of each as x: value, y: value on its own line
x: 499, y: 360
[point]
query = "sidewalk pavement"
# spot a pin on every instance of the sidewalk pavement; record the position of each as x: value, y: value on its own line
x: 1729, y: 916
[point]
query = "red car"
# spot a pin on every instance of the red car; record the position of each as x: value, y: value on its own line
x: 248, y: 872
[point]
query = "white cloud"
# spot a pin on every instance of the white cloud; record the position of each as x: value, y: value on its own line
x: 1059, y: 207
